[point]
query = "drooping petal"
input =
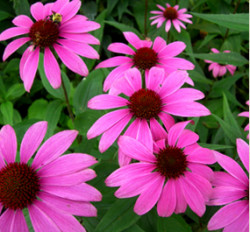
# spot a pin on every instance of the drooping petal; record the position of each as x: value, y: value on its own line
x: 201, y: 155
x: 8, y: 143
x: 19, y: 222
x: 54, y: 147
x: 121, y: 48
x: 187, y: 138
x: 159, y: 44
x: 13, y: 32
x: 22, y: 21
x: 150, y: 196
x: 13, y: 46
x: 168, y: 25
x: 71, y: 60
x: 172, y: 49
x: 155, y: 78
x: 168, y: 120
x: 114, y: 61
x: 176, y: 63
x: 133, y: 39
x: 157, y: 130
x: 167, y: 202
x: 202, y: 170
x: 32, y: 140
x: 181, y: 203
x: 23, y: 60
x: 6, y: 220
x: 69, y: 10
x: 52, y: 69
x: 86, y: 38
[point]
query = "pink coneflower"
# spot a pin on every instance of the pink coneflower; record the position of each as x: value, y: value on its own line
x: 158, y: 100
x: 231, y: 189
x: 51, y: 186
x: 145, y: 55
x: 220, y: 69
x: 170, y: 15
x: 173, y: 173
x: 245, y: 114
x: 67, y: 36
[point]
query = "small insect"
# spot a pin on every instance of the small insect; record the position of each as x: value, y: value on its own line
x: 55, y: 17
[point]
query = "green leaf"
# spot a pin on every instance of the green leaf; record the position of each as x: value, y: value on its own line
x: 206, y: 40
x: 4, y: 15
x: 89, y: 87
x: 21, y: 7
x: 38, y: 109
x: 52, y: 116
x: 134, y: 228
x: 215, y: 146
x: 238, y: 22
x: 119, y: 217
x: 15, y: 91
x: 172, y: 224
x: 233, y: 58
x: 7, y: 112
x: 122, y: 27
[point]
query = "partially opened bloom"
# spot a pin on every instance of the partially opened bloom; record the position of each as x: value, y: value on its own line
x: 158, y: 100
x: 245, y: 114
x: 172, y: 173
x: 170, y: 15
x: 144, y: 55
x: 51, y: 186
x: 232, y: 190
x: 220, y: 69
x: 57, y: 29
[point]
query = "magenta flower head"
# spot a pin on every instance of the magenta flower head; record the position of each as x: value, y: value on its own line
x: 232, y: 190
x: 170, y: 15
x: 145, y: 55
x: 57, y: 29
x: 245, y: 114
x: 173, y: 173
x: 220, y: 69
x: 51, y: 186
x: 158, y: 100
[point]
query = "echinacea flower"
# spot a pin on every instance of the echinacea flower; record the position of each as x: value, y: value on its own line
x: 67, y: 36
x: 145, y: 55
x: 51, y: 186
x: 245, y: 114
x: 172, y: 173
x: 220, y: 69
x: 232, y: 190
x: 158, y: 100
x: 170, y: 15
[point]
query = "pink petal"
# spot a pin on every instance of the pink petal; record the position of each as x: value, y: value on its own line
x: 150, y: 196
x: 222, y: 71
x: 65, y: 222
x: 105, y: 101
x: 181, y: 203
x: 167, y: 202
x: 214, y: 50
x: 23, y: 60
x: 6, y: 220
x: 19, y: 222
x: 201, y: 155
x: 69, y: 10
x: 114, y: 61
x: 176, y: 25
x: 115, y: 74
x: 187, y: 109
x: 40, y: 221
x: 30, y: 68
x: 172, y: 83
x: 84, y: 38
x: 13, y: 46
x: 54, y: 147
x: 8, y: 144
x: 28, y: 146
x: 136, y: 185
x: 106, y: 122
x: 155, y: 78
x: 160, y: 7
x: 52, y: 69
x: 13, y: 32
x: 187, y: 138
x: 47, y: 9
x: 159, y: 44
x: 125, y: 173
x: 176, y: 63
x: 133, y: 39
x: 121, y: 48
x: 175, y: 132
x: 22, y: 21
x: 157, y: 130
x: 202, y: 170
x: 135, y: 149
x: 226, y: 215
x: 79, y: 48
x: 216, y: 70
x: 168, y: 121
x: 168, y: 25
x: 81, y: 192
x: 71, y: 60
x: 183, y: 95
x: 109, y: 136
x: 67, y: 164
x: 231, y: 68
x: 59, y: 4
x: 232, y: 167
x: 79, y: 208
x: 243, y: 152
x: 172, y: 49
x: 36, y: 10
x: 194, y: 198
